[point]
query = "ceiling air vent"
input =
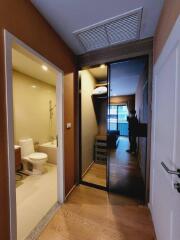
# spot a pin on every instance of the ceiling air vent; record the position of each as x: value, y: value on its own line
x: 120, y: 29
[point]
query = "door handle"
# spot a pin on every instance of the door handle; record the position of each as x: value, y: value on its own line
x: 177, y: 186
x: 177, y: 173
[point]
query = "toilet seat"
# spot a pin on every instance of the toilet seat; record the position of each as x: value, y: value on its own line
x: 37, y: 160
x: 33, y: 162
x: 37, y: 156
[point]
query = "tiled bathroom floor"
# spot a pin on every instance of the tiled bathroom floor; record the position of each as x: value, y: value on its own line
x: 34, y: 198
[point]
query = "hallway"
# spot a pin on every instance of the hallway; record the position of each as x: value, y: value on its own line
x: 92, y: 214
x: 124, y: 173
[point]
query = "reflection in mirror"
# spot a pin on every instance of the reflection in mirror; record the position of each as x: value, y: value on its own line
x: 126, y: 113
x: 93, y: 125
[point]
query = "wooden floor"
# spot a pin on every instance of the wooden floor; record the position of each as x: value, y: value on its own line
x: 96, y: 174
x: 92, y: 214
x: 124, y: 172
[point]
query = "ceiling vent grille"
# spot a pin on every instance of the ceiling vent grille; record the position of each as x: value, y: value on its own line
x: 120, y: 29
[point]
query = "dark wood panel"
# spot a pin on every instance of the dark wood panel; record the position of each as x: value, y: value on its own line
x: 128, y: 99
x: 116, y: 53
x: 24, y: 21
x: 18, y: 158
x: 35, y: 32
x: 69, y: 150
x: 4, y: 194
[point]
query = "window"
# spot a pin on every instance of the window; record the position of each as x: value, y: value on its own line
x: 113, y: 117
x: 122, y: 114
x: 117, y: 119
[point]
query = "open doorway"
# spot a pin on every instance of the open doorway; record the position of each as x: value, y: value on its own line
x: 35, y: 124
x: 127, y: 127
x: 105, y: 117
x: 93, y: 126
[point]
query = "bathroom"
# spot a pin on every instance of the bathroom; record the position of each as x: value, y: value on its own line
x: 35, y: 140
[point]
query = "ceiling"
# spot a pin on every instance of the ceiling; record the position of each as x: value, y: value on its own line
x: 99, y: 73
x: 68, y: 16
x: 32, y: 66
x: 124, y: 76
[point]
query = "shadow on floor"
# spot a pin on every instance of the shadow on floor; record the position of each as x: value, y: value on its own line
x: 124, y: 172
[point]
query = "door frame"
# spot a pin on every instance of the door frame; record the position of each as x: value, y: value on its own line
x: 80, y: 180
x: 171, y: 43
x: 9, y: 41
x: 85, y: 62
x: 147, y: 56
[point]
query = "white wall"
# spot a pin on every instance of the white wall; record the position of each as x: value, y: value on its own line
x: 31, y: 108
x: 164, y: 199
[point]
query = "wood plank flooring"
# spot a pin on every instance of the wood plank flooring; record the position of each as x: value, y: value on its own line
x: 96, y: 175
x: 92, y: 214
x: 124, y: 172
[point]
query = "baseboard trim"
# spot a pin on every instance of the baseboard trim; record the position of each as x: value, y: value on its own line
x: 35, y: 233
x: 150, y: 209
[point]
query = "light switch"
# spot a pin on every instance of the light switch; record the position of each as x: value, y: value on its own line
x: 68, y: 125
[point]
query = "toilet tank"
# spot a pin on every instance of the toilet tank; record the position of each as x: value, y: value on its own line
x: 27, y: 146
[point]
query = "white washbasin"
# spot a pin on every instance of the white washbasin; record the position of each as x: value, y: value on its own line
x: 16, y: 146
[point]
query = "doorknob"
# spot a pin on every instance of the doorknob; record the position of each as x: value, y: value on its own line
x: 177, y: 186
x: 177, y: 173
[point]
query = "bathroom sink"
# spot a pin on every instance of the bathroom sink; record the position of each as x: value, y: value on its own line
x: 16, y: 146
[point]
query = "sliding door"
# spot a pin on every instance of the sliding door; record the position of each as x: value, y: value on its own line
x: 125, y: 99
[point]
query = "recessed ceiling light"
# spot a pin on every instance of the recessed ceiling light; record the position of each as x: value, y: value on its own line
x: 44, y: 67
x: 102, y: 66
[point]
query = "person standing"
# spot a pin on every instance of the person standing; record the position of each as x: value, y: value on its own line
x: 132, y: 128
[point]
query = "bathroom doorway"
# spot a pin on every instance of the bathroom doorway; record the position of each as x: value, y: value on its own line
x: 35, y: 138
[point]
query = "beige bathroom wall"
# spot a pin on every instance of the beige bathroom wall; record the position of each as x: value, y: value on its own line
x: 89, y: 128
x: 31, y: 108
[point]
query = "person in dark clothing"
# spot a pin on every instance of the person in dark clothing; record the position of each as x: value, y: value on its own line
x: 132, y: 127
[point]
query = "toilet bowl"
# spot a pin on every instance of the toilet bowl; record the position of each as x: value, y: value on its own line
x: 33, y: 162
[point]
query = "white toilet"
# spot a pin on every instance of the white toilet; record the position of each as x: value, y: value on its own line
x: 33, y: 162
